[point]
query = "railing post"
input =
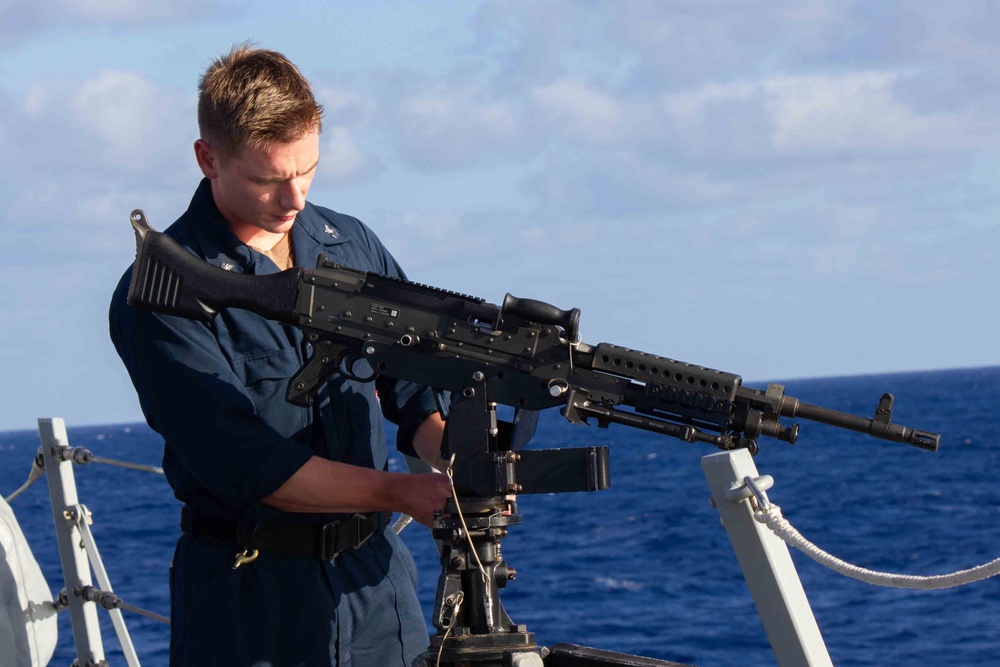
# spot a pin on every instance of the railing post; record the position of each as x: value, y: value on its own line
x: 767, y: 566
x: 72, y: 553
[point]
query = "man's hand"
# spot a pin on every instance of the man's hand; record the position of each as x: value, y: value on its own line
x: 422, y: 495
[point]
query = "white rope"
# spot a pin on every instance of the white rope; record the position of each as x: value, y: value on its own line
x: 773, y: 519
x: 465, y: 527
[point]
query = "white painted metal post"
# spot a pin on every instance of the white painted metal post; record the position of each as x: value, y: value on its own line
x: 131, y: 659
x: 72, y: 554
x: 767, y: 567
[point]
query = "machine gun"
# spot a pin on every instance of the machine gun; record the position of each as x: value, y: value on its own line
x: 525, y: 354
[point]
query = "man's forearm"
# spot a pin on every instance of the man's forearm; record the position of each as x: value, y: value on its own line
x: 330, y: 487
x: 427, y: 441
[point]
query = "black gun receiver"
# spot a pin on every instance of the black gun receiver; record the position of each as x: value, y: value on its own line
x: 523, y: 353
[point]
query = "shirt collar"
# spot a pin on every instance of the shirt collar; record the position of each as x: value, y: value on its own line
x: 218, y: 244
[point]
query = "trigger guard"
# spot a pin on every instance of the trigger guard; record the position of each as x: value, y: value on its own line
x: 347, y: 362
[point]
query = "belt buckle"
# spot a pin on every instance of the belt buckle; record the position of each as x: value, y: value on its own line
x: 359, y: 520
x: 329, y: 540
x: 338, y: 536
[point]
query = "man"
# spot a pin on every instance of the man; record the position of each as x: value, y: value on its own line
x: 284, y: 558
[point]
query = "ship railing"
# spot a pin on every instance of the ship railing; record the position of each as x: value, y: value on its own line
x: 78, y: 553
x: 760, y: 536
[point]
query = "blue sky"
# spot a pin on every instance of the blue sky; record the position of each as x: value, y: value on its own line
x: 778, y: 189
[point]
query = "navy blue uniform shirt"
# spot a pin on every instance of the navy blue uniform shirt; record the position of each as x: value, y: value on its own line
x: 215, y: 391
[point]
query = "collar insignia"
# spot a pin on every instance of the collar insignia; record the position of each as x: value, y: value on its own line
x: 227, y: 266
x: 332, y: 231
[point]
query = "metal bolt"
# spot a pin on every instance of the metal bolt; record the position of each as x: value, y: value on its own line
x: 370, y: 350
x: 478, y: 376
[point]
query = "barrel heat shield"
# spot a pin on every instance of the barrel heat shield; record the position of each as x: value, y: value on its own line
x: 695, y: 393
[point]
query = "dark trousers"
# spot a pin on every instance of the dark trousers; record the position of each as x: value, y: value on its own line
x: 358, y: 610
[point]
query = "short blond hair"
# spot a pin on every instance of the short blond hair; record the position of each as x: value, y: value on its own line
x: 254, y: 97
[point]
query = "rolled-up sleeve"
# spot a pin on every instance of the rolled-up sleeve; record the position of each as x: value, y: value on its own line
x: 405, y: 404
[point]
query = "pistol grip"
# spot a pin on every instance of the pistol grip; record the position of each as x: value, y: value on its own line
x: 325, y: 361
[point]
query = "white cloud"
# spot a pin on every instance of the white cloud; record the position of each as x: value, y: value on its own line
x: 856, y: 112
x: 125, y: 10
x: 35, y: 99
x: 421, y: 238
x: 852, y: 112
x: 537, y: 237
x: 443, y: 125
x: 763, y: 147
x: 90, y: 151
x: 689, y: 104
x: 343, y: 159
x: 23, y: 19
x: 344, y: 106
x: 839, y: 258
x: 592, y: 116
x: 118, y: 109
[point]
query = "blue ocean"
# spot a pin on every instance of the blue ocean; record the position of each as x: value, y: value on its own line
x: 646, y: 567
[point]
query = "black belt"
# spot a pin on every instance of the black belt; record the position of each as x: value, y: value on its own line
x: 323, y: 542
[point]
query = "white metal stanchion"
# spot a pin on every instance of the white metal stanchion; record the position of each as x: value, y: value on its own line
x: 72, y: 554
x: 767, y: 566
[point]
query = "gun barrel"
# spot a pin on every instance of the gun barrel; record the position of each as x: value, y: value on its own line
x: 875, y: 428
